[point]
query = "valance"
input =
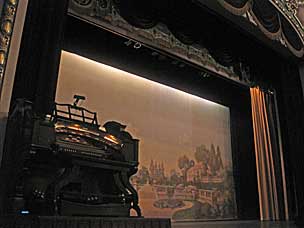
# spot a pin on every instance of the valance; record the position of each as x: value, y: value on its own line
x: 278, y: 20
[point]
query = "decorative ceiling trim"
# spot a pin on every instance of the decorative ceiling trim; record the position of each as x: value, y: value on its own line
x: 274, y: 36
x: 237, y: 11
x: 103, y: 13
x: 290, y: 34
x: 7, y: 20
x: 290, y: 9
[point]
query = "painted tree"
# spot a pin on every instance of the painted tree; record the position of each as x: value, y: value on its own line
x: 219, y: 161
x: 174, y: 178
x: 202, y: 155
x: 212, y: 160
x: 143, y: 175
x: 184, y: 163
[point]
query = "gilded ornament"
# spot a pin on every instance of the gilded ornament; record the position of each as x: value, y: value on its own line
x: 7, y: 27
x: 7, y: 19
x: 4, y: 41
x: 13, y: 2
x: 292, y: 5
x: 11, y: 10
x: 2, y: 57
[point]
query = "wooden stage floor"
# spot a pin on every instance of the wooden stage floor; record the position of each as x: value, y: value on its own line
x: 235, y: 224
x: 95, y: 222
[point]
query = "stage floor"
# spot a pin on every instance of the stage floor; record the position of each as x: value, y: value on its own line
x: 235, y: 224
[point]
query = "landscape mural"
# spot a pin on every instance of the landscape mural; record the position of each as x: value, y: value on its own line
x: 185, y: 170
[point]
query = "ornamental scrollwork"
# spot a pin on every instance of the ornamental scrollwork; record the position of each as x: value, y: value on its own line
x: 291, y: 9
x: 7, y: 20
x: 293, y: 5
x: 104, y: 13
x: 102, y: 4
x: 83, y: 2
x: 279, y: 20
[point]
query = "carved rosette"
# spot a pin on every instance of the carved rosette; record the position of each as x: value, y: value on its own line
x: 7, y: 20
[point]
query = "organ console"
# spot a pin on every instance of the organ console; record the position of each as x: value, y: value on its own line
x: 67, y: 164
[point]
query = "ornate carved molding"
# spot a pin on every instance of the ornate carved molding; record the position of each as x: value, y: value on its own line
x: 294, y: 8
x: 290, y: 14
x: 294, y: 12
x: 7, y: 20
x: 103, y: 14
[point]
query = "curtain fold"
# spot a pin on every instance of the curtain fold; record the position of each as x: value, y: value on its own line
x: 237, y: 7
x: 269, y: 160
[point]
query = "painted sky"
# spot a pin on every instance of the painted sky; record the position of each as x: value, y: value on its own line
x: 168, y: 122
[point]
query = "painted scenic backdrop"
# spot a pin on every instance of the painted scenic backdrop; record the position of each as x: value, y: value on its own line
x: 185, y: 158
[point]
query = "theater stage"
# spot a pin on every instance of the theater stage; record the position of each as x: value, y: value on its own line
x: 235, y: 224
x: 91, y: 222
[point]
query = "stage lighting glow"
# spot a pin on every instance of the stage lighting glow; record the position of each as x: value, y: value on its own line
x: 141, y: 79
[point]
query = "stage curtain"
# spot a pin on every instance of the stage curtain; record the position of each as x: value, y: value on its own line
x: 269, y: 157
x: 267, y: 18
x: 237, y: 7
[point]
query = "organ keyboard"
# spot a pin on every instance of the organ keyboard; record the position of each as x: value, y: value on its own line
x: 69, y: 165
